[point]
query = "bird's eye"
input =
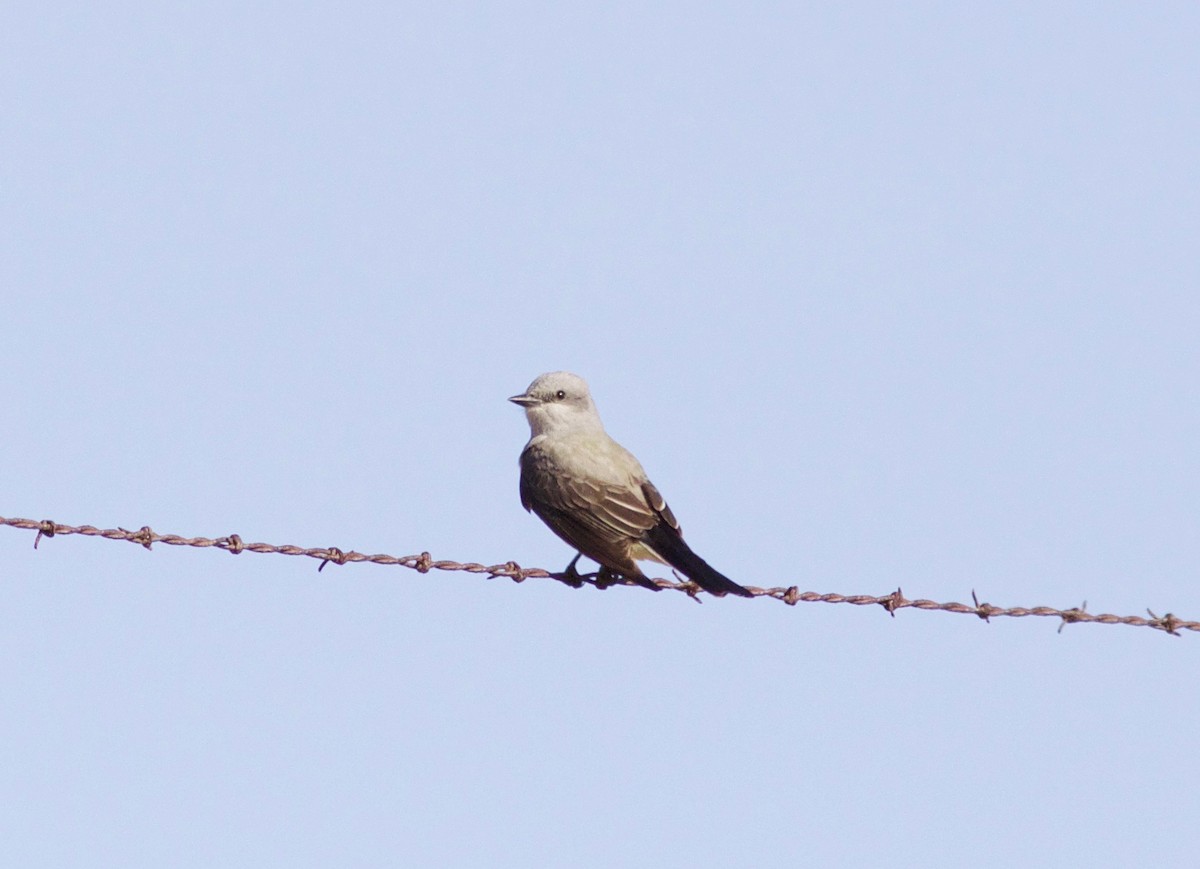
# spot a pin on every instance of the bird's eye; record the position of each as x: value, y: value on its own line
x: 560, y: 395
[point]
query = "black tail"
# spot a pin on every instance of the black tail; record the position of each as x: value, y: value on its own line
x: 668, y: 543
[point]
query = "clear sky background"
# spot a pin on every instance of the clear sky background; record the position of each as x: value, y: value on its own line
x: 880, y: 296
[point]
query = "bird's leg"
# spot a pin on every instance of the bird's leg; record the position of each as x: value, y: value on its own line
x: 571, y: 576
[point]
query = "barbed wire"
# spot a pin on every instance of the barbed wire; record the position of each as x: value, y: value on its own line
x: 424, y: 563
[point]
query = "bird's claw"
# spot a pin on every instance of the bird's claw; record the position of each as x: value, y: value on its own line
x: 571, y: 576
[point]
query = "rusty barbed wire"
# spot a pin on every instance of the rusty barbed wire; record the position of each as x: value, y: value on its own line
x: 424, y: 563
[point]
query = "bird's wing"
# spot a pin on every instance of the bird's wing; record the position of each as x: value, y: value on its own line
x: 597, y: 508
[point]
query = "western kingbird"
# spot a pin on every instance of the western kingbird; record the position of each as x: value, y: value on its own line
x: 593, y: 493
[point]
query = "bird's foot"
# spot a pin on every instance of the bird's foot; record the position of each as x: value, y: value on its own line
x: 571, y: 576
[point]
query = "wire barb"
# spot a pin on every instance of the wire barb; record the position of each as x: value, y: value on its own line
x: 45, y: 528
x: 983, y: 610
x: 424, y: 563
x: 1071, y: 616
x: 332, y: 554
x: 893, y: 602
x: 1167, y: 623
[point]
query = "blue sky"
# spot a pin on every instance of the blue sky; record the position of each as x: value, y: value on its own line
x: 880, y: 296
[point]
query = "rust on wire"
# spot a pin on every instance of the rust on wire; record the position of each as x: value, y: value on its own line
x: 424, y: 563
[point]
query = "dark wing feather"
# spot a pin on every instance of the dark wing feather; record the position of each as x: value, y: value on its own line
x: 659, y: 505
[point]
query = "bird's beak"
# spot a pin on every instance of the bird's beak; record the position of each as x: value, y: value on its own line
x: 524, y: 400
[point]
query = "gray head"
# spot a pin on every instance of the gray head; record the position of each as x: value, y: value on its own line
x: 559, y: 401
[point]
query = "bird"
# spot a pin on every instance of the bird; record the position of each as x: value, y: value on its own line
x: 594, y: 494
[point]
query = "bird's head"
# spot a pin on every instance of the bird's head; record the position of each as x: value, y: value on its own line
x: 558, y: 401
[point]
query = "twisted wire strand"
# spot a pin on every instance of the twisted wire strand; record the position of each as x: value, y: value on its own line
x: 424, y: 562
